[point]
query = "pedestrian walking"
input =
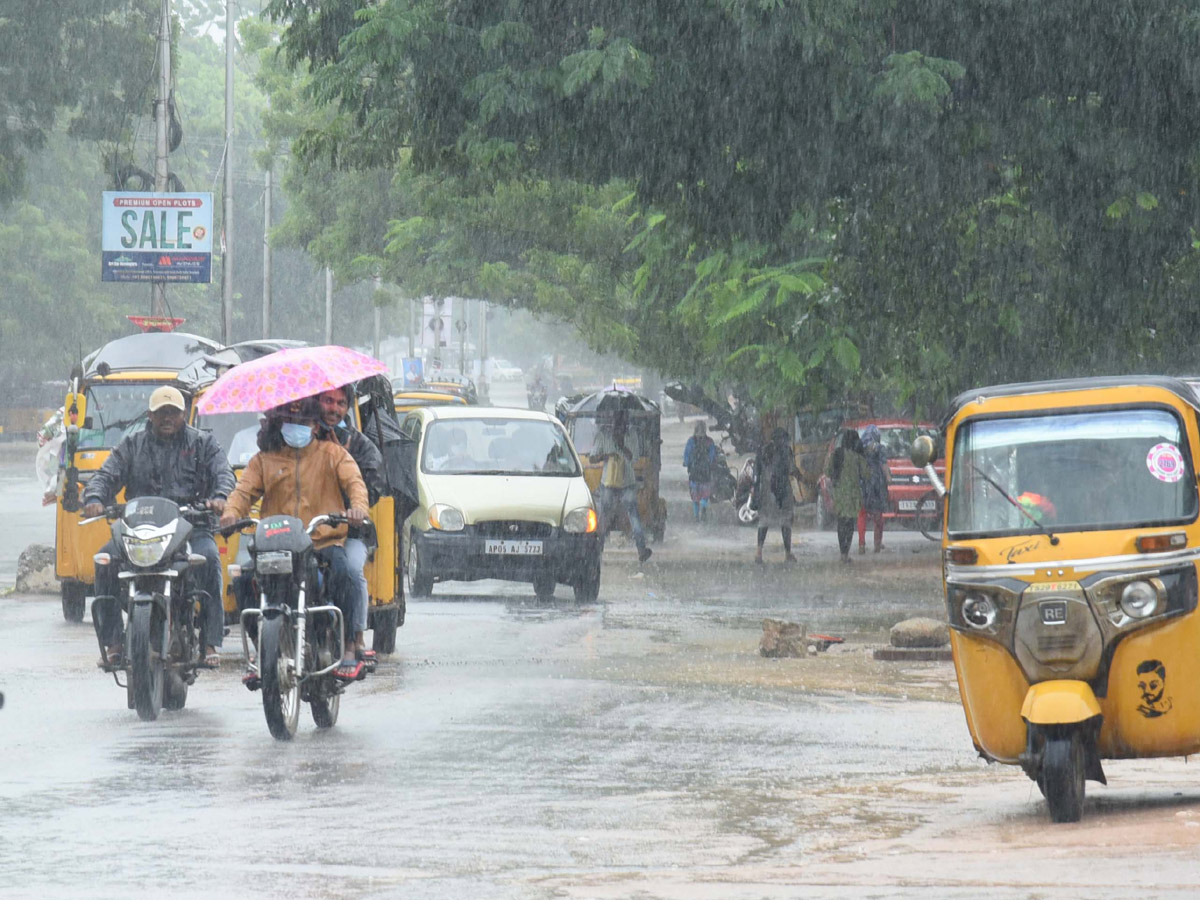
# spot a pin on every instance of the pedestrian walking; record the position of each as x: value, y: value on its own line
x: 875, y: 488
x: 847, y: 470
x: 772, y: 496
x: 618, y: 481
x: 699, y: 458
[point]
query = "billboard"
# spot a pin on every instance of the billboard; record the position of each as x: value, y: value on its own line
x: 156, y: 237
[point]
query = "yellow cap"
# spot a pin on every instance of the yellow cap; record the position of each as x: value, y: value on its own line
x: 166, y: 396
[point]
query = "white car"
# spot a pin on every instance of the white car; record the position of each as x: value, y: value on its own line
x: 503, y: 370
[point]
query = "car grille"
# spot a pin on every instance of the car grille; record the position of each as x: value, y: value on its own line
x: 513, y: 528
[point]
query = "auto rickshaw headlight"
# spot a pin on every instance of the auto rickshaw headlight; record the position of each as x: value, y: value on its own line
x: 1139, y: 599
x: 580, y: 521
x: 979, y: 611
x: 446, y: 518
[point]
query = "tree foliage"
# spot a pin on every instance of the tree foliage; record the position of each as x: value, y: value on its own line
x: 799, y: 195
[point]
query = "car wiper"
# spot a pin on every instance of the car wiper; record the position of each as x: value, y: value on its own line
x: 1017, y: 503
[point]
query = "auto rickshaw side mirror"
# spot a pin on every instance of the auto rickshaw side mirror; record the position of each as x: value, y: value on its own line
x: 923, y: 451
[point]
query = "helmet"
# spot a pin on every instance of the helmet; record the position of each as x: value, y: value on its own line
x: 307, y: 409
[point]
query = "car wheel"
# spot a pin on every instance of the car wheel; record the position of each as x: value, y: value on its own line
x: 587, y: 587
x: 420, y: 584
x: 543, y: 588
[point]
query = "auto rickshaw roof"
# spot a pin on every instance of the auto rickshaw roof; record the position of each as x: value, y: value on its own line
x: 170, y: 351
x: 610, y: 400
x: 1185, y: 388
x: 206, y: 369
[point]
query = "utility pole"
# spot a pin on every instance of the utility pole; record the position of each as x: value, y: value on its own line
x: 328, y: 305
x: 162, y: 123
x: 266, y: 298
x: 375, y: 306
x: 227, y: 224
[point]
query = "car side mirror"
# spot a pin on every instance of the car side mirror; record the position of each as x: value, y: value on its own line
x: 923, y: 451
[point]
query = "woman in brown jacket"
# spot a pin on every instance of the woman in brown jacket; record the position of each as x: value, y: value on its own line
x: 299, y: 472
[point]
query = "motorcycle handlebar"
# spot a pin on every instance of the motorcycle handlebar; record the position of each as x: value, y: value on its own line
x: 233, y: 527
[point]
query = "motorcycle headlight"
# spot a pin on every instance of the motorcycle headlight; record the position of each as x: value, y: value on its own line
x: 580, y: 521
x: 1139, y: 599
x: 446, y: 518
x: 146, y: 551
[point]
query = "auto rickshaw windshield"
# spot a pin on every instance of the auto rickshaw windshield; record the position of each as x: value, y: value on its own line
x: 237, y: 433
x: 1075, y: 471
x: 114, y: 411
x: 586, y: 429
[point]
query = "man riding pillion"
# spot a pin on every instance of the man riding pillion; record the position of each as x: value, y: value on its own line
x: 173, y: 460
x: 334, y: 406
x: 301, y: 471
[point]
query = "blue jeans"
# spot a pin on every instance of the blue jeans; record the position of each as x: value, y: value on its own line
x: 212, y: 611
x: 339, y: 587
x: 356, y: 558
x: 611, y: 501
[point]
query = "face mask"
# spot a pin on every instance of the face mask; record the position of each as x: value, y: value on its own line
x: 297, y: 436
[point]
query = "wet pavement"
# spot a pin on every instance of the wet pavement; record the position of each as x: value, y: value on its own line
x: 639, y: 747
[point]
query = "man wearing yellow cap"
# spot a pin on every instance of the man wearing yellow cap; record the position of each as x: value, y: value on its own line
x: 173, y: 460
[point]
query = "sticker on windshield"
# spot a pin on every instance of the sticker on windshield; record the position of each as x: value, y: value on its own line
x: 1165, y: 462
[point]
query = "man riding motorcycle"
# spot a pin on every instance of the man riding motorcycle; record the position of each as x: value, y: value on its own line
x: 173, y: 460
x: 301, y: 471
x: 334, y: 406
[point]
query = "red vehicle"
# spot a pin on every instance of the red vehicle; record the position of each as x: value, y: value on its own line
x: 911, y: 498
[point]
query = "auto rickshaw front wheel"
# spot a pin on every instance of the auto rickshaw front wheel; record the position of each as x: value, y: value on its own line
x: 1061, y: 779
x: 74, y: 599
x: 384, y: 623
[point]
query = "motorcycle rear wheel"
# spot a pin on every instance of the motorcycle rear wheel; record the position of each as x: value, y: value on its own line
x: 280, y: 688
x: 325, y: 710
x: 146, y: 671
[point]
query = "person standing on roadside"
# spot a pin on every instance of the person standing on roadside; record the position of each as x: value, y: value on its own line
x: 847, y: 470
x: 875, y: 488
x: 772, y: 493
x: 699, y: 458
x: 618, y: 481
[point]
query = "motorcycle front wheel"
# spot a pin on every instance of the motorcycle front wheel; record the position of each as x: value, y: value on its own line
x: 280, y: 687
x: 146, y: 673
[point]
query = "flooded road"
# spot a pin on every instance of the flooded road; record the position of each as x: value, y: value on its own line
x: 639, y: 747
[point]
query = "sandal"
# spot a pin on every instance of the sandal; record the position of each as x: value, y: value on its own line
x: 212, y: 659
x: 112, y: 656
x: 349, y: 670
x: 251, y: 681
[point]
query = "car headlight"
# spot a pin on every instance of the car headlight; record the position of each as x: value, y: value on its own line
x: 146, y: 551
x: 580, y: 521
x: 1139, y: 599
x: 446, y: 518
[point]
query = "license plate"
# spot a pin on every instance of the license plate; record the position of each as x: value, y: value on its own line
x: 273, y: 563
x: 911, y: 505
x: 513, y: 548
x: 1054, y: 612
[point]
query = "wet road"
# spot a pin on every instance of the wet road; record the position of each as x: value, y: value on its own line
x: 636, y: 748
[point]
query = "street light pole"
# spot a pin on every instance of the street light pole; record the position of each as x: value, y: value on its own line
x: 162, y: 125
x: 227, y: 257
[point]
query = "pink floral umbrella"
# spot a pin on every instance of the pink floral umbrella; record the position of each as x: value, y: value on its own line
x: 284, y: 376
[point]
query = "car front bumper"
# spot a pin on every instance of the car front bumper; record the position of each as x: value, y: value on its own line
x: 463, y: 556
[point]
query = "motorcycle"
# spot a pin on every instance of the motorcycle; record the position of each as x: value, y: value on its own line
x: 746, y: 514
x: 536, y: 394
x: 724, y: 484
x: 162, y: 648
x: 299, y: 645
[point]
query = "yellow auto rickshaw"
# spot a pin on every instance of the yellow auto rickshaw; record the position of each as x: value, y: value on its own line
x: 406, y: 401
x: 1070, y: 548
x: 584, y: 417
x: 372, y: 413
x: 107, y: 398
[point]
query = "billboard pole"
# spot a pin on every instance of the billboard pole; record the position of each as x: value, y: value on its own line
x: 227, y: 212
x: 162, y: 123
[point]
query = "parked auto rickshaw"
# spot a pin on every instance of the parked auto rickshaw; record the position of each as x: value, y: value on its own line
x: 106, y: 400
x: 1070, y: 543
x: 373, y: 414
x: 583, y: 420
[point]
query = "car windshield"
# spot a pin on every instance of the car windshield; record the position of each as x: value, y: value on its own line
x: 497, y: 447
x: 1072, y: 471
x: 113, y: 412
x: 237, y: 433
